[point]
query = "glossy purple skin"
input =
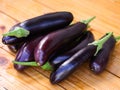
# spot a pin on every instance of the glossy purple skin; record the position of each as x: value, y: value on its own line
x: 99, y: 62
x: 26, y: 53
x: 8, y: 39
x: 56, y: 61
x: 69, y: 66
x: 41, y: 25
x: 15, y: 48
x: 57, y: 41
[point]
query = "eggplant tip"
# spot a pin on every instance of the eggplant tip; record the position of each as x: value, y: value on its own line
x: 19, y: 67
x: 53, y: 80
x: 95, y: 68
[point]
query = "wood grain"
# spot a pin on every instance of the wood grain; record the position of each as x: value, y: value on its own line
x: 29, y: 79
x: 107, y: 19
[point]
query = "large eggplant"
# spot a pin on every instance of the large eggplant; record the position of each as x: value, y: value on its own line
x: 69, y: 66
x: 99, y: 62
x: 26, y: 53
x: 57, y: 41
x: 57, y: 60
x: 40, y: 25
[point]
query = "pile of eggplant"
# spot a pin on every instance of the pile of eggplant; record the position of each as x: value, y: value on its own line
x: 51, y: 42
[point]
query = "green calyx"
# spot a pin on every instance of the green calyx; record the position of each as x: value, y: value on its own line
x: 99, y: 43
x: 46, y: 66
x: 117, y: 38
x: 88, y: 20
x: 18, y: 32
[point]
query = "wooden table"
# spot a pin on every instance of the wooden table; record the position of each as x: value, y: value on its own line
x: 107, y: 14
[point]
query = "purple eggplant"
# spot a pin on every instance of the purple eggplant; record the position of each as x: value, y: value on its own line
x: 99, y: 62
x: 26, y: 53
x: 69, y: 66
x: 38, y: 26
x: 56, y: 61
x: 57, y: 42
x: 14, y: 48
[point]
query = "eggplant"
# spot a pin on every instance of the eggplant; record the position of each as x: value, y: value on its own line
x: 57, y: 41
x: 39, y: 26
x: 26, y: 53
x: 69, y: 66
x: 99, y: 62
x: 57, y: 60
x: 14, y: 48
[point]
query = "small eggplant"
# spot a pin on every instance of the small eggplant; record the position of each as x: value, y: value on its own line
x: 56, y: 61
x: 26, y: 53
x: 57, y: 41
x: 99, y: 62
x: 39, y: 25
x: 69, y: 66
x: 14, y: 48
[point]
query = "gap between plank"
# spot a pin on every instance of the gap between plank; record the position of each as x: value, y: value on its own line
x: 112, y: 73
x: 9, y: 16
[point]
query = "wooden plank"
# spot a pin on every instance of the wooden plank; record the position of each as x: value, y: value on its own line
x: 104, y: 81
x: 98, y: 82
x: 29, y: 79
x: 31, y: 9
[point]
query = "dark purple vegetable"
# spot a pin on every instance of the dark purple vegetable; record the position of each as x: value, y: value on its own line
x: 57, y: 41
x: 99, y: 62
x: 40, y: 25
x: 83, y: 42
x: 69, y: 66
x: 14, y: 48
x: 26, y: 53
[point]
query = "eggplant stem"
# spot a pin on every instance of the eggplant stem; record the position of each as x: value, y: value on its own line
x: 88, y: 20
x: 26, y: 63
x: 18, y: 32
x: 99, y: 43
x: 46, y: 66
x: 117, y: 38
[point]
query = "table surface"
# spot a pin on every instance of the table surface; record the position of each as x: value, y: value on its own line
x: 107, y: 14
